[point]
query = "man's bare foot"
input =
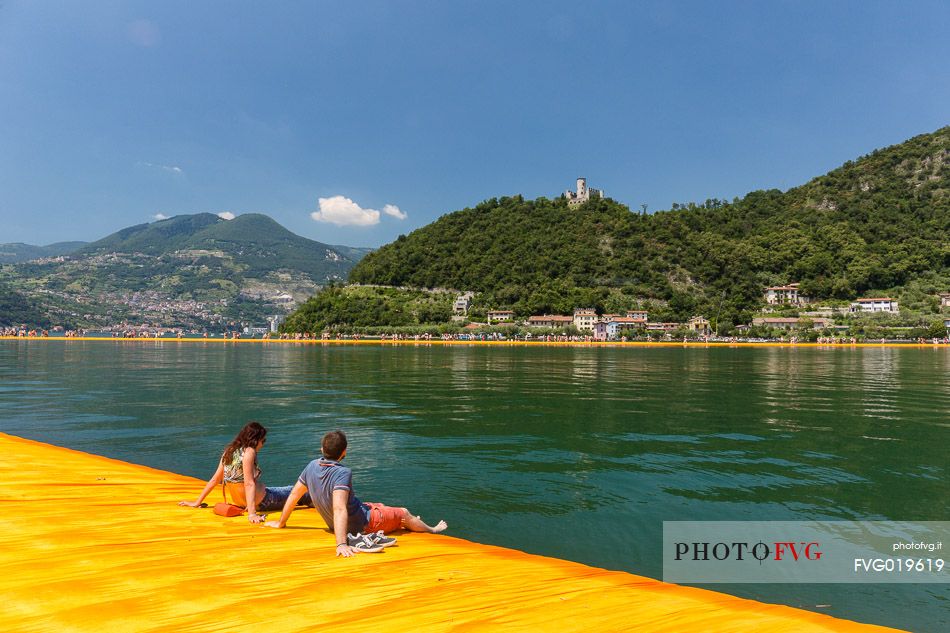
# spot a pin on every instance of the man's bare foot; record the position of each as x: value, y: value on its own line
x: 416, y: 524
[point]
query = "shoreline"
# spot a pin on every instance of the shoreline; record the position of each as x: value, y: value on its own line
x: 643, y: 344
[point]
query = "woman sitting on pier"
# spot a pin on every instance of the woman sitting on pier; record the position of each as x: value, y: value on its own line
x: 240, y: 476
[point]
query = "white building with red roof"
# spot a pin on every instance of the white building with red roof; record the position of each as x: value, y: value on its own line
x: 781, y: 295
x: 500, y: 316
x: 584, y: 319
x: 550, y: 320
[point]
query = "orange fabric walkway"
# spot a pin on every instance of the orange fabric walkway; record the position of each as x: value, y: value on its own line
x: 94, y: 544
x: 450, y: 343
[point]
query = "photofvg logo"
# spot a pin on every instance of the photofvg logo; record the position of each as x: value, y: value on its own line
x: 804, y: 551
x: 739, y: 550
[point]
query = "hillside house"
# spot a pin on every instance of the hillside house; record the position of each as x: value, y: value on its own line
x: 500, y: 316
x: 784, y: 295
x: 584, y: 319
x: 945, y: 299
x: 700, y: 325
x: 637, y: 314
x: 878, y: 304
x: 656, y: 326
x: 615, y: 328
x: 462, y: 303
x: 549, y: 320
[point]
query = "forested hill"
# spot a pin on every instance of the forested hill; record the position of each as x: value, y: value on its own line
x: 19, y: 252
x: 251, y: 239
x: 873, y: 225
x: 16, y: 309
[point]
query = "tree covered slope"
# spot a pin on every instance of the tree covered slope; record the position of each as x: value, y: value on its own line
x: 20, y: 252
x: 873, y: 225
x: 17, y: 309
x: 251, y: 239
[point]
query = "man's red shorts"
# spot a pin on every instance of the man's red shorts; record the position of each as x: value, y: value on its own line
x: 382, y: 517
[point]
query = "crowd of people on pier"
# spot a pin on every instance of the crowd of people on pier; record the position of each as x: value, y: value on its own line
x: 145, y: 333
x: 23, y: 332
x: 564, y: 338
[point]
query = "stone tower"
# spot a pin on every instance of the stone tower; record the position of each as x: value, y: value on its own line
x: 583, y: 193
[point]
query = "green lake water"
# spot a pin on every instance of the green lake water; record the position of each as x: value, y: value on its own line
x: 577, y: 453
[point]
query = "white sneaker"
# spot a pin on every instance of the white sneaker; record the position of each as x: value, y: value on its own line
x: 362, y: 543
x: 381, y: 539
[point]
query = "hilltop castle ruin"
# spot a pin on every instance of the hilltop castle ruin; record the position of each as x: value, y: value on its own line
x: 582, y: 195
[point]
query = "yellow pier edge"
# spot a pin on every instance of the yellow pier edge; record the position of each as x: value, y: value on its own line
x: 95, y: 544
x: 422, y: 342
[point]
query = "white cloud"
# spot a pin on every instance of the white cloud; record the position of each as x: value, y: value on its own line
x: 160, y: 216
x: 344, y: 212
x: 394, y: 211
x: 226, y: 215
x: 175, y: 169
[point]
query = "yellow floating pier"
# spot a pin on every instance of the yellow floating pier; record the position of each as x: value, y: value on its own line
x: 490, y: 343
x: 89, y: 543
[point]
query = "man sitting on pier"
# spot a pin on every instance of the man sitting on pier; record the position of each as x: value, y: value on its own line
x: 330, y: 485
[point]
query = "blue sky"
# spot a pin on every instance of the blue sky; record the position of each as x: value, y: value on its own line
x: 112, y: 114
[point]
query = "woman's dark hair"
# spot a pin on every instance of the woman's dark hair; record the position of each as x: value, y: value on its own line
x: 333, y: 445
x: 249, y: 436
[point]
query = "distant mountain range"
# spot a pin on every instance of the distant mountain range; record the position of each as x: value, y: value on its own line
x: 19, y: 252
x: 194, y: 271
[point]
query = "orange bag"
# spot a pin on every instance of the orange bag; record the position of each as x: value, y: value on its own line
x: 228, y: 510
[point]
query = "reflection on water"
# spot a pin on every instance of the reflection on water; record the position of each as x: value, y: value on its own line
x: 579, y: 453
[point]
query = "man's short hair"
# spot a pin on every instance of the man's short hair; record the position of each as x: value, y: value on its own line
x: 333, y: 445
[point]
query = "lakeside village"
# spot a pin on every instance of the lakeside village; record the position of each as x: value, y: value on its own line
x: 817, y: 324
